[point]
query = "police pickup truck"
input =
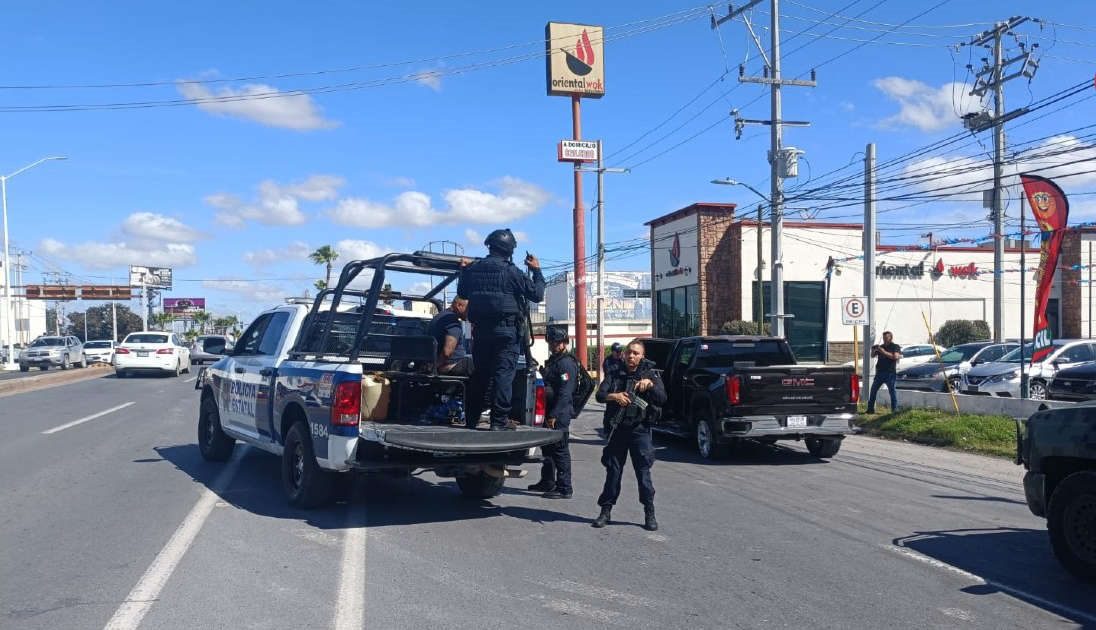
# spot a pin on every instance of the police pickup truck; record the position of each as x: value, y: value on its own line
x: 724, y: 389
x: 348, y: 384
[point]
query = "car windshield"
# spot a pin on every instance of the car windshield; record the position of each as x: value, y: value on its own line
x: 91, y: 345
x: 214, y: 345
x: 916, y: 351
x: 1014, y: 356
x: 956, y: 355
x: 146, y: 338
x: 48, y: 341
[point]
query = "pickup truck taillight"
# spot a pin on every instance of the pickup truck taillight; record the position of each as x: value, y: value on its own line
x: 166, y: 351
x: 854, y: 388
x: 540, y: 407
x: 733, y: 385
x: 346, y: 404
x: 121, y: 350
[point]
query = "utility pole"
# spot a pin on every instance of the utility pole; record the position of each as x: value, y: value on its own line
x: 781, y: 161
x: 21, y: 305
x: 992, y: 77
x: 869, y: 258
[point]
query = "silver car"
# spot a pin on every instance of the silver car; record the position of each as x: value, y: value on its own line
x: 210, y: 348
x: 46, y: 352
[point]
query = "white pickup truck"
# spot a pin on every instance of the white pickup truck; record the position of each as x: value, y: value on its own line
x: 348, y: 385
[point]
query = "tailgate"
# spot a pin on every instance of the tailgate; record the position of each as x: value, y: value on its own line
x: 442, y: 439
x: 795, y: 388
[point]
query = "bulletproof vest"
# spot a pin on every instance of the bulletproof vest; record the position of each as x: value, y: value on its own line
x: 490, y: 288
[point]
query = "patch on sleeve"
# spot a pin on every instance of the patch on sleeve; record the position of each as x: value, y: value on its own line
x: 566, y: 377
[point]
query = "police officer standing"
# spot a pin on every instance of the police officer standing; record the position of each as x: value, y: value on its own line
x: 497, y: 293
x: 560, y: 377
x: 628, y: 425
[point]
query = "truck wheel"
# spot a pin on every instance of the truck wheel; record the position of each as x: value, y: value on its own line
x: 24, y: 368
x: 823, y: 448
x: 706, y: 443
x: 480, y: 485
x: 83, y: 361
x: 65, y: 363
x: 43, y: 367
x: 214, y: 445
x: 306, y: 484
x: 1071, y: 521
x: 1037, y: 390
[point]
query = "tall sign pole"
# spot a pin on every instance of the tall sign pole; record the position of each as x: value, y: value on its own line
x: 869, y: 259
x: 574, y: 55
x: 600, y: 297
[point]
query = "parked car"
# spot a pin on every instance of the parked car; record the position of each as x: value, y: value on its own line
x: 99, y: 351
x: 210, y: 348
x: 151, y: 352
x: 1074, y: 383
x: 46, y: 352
x: 933, y: 376
x: 1002, y: 378
x: 917, y: 354
x: 1058, y: 449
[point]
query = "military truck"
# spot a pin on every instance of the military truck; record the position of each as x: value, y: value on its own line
x: 1058, y: 449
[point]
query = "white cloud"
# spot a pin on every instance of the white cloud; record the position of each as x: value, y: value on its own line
x: 475, y: 239
x: 294, y: 252
x: 276, y: 204
x: 925, y: 107
x: 97, y: 255
x: 260, y: 103
x: 254, y: 291
x: 515, y: 199
x: 429, y: 78
x: 156, y: 227
x: 350, y: 249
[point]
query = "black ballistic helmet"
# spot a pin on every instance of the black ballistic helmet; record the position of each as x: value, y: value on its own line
x: 556, y: 334
x: 502, y: 240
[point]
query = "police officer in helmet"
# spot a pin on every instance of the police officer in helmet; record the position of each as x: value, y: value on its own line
x: 497, y: 293
x: 560, y: 378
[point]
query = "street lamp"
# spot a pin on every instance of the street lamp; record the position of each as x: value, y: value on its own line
x: 9, y: 364
x: 759, y: 309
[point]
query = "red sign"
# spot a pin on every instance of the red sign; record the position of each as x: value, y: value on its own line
x: 969, y: 270
x: 1051, y: 210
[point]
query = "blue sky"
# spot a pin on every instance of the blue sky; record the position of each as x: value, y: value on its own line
x: 461, y: 139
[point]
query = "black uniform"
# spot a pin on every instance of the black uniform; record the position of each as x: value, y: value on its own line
x: 631, y: 434
x: 560, y: 377
x: 496, y: 291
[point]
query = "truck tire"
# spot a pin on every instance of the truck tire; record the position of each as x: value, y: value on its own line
x: 706, y: 444
x: 1071, y: 522
x: 83, y: 361
x: 214, y: 445
x: 306, y: 484
x: 24, y: 368
x: 823, y: 448
x: 65, y: 364
x: 480, y: 485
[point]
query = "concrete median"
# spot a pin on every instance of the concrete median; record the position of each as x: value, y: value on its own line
x: 52, y: 378
x: 983, y: 405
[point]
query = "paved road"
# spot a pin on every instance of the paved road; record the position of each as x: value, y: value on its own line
x: 117, y: 518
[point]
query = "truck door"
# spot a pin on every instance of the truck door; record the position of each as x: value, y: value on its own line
x: 255, y: 371
x: 677, y: 387
x: 238, y: 393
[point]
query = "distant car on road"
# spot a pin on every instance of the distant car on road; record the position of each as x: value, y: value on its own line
x: 210, y: 348
x: 933, y: 376
x: 1058, y: 449
x: 150, y: 351
x: 99, y: 351
x: 46, y: 352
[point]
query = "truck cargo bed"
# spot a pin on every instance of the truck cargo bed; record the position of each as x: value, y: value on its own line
x: 448, y: 439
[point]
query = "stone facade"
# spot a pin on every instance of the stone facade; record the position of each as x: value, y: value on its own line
x: 1070, y: 279
x: 719, y: 242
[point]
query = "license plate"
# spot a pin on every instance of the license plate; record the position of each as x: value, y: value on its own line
x: 797, y: 421
x: 142, y: 354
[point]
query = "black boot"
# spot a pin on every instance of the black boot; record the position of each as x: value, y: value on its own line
x: 603, y: 519
x: 542, y: 486
x: 649, y: 523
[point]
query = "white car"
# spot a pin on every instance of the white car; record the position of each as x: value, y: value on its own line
x: 151, y: 351
x: 918, y: 354
x: 99, y: 351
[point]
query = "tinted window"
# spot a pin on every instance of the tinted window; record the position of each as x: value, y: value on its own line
x: 249, y: 341
x: 745, y: 353
x: 686, y: 356
x: 1014, y: 356
x: 91, y: 345
x: 48, y: 341
x: 273, y: 333
x: 146, y: 338
x: 213, y: 345
x: 992, y: 353
x: 1078, y: 353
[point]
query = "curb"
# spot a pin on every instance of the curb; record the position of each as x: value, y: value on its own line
x: 45, y: 381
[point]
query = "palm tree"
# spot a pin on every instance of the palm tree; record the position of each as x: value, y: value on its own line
x: 200, y: 319
x: 325, y: 255
x: 319, y: 284
x: 162, y: 320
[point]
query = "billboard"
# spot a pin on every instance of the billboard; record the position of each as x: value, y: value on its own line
x: 577, y: 151
x: 183, y: 306
x: 575, y: 60
x: 151, y: 277
x: 675, y: 258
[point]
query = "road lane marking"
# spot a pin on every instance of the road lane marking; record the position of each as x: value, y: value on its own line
x: 350, y: 604
x: 147, y: 591
x: 1024, y: 596
x: 191, y: 379
x: 69, y: 425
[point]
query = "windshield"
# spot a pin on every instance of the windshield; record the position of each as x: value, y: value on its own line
x: 146, y: 338
x: 743, y: 353
x: 48, y: 341
x: 1014, y: 356
x: 956, y: 355
x: 91, y: 345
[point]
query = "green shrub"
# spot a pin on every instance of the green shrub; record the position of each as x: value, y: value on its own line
x: 957, y: 331
x: 741, y: 327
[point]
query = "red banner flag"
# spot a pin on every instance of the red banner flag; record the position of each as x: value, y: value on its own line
x: 1051, y: 209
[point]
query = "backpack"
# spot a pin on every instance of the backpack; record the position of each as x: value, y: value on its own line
x: 584, y: 388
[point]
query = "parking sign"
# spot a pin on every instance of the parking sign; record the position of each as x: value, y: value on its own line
x: 854, y: 311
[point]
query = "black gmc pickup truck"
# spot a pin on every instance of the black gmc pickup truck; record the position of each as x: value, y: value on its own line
x: 728, y: 388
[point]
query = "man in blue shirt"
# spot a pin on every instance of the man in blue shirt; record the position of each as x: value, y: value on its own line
x: 447, y: 329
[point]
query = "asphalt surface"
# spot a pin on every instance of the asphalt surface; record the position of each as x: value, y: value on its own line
x: 117, y: 519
